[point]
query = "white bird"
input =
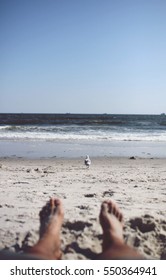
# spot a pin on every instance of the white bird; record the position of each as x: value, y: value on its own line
x: 87, y: 161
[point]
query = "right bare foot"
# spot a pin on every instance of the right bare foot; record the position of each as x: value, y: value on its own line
x: 114, y: 247
x: 111, y: 220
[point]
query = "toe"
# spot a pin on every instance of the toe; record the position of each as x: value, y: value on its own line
x: 111, y: 207
x: 104, y: 207
x: 120, y: 217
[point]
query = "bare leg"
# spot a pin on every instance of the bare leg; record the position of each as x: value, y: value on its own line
x: 114, y: 247
x: 51, y: 218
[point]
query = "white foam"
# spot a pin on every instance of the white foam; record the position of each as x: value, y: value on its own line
x: 80, y: 133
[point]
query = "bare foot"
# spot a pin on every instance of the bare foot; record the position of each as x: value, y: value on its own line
x: 51, y: 219
x: 114, y: 247
x: 111, y: 220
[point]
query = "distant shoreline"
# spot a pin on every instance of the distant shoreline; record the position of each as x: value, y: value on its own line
x: 78, y: 149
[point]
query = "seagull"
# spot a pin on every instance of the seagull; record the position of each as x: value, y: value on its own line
x: 87, y: 161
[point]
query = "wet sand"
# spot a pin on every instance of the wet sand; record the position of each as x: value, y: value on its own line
x: 137, y: 185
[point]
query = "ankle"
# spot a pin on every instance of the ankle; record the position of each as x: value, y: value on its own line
x: 113, y: 238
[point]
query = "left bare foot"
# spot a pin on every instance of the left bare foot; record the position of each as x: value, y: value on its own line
x: 51, y: 219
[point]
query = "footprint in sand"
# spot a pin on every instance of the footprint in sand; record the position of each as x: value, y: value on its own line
x: 77, y: 225
x: 144, y: 224
x: 83, y: 207
x: 108, y: 193
x: 90, y: 195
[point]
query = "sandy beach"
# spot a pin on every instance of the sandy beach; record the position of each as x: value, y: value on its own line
x: 137, y: 185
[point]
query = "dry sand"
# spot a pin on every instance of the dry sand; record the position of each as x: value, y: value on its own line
x: 138, y: 186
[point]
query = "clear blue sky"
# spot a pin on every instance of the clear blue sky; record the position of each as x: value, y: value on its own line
x: 83, y: 56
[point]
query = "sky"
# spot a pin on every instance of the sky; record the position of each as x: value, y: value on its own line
x: 83, y: 56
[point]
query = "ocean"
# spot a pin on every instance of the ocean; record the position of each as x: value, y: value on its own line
x: 75, y: 135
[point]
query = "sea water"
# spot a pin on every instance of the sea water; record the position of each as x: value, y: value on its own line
x: 75, y: 135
